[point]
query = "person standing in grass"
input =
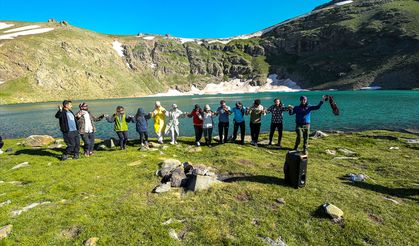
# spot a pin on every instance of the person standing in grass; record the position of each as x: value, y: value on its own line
x: 159, y: 116
x: 120, y: 120
x: 276, y: 121
x: 69, y: 128
x: 239, y: 112
x: 141, y: 125
x: 223, y: 113
x: 302, y: 120
x: 208, y: 117
x: 173, y: 126
x: 87, y: 128
x: 256, y: 111
x: 198, y: 123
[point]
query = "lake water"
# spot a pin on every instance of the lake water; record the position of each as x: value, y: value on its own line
x: 359, y: 110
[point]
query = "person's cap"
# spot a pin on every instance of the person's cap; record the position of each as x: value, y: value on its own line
x: 207, y: 107
x: 65, y: 102
x: 303, y: 97
x: 158, y: 104
x: 83, y: 105
x: 174, y: 105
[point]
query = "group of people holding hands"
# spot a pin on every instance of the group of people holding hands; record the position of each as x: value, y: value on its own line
x: 167, y: 122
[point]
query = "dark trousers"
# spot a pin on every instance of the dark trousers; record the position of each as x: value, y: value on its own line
x: 72, y: 139
x: 302, y: 130
x: 254, y: 131
x: 143, y: 137
x: 123, y: 138
x: 223, y: 128
x: 89, y: 141
x: 208, y: 135
x: 275, y: 126
x: 198, y: 133
x: 242, y: 130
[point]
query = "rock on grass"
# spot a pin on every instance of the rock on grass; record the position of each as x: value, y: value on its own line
x: 5, y: 231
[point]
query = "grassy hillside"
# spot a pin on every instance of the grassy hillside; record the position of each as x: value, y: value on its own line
x: 109, y: 195
x: 364, y: 43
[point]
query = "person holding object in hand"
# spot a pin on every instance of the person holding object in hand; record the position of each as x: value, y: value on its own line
x: 120, y: 120
x: 69, y: 128
x: 302, y: 120
x: 87, y: 128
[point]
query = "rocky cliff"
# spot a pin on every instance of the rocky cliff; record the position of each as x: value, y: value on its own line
x: 338, y: 45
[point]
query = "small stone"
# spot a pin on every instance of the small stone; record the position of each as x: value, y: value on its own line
x: 391, y: 200
x: 38, y: 140
x: 27, y: 208
x: 154, y: 145
x: 345, y: 158
x: 271, y: 242
x: 91, y: 241
x: 173, y: 234
x: 55, y: 146
x: 170, y: 221
x: 135, y: 163
x: 280, y: 201
x: 319, y: 134
x: 394, y: 148
x: 23, y: 164
x: 410, y: 140
x: 101, y: 147
x: 333, y: 211
x: 162, y: 188
x: 71, y: 232
x: 347, y: 152
x: 264, y: 142
x: 5, y: 203
x: 9, y: 150
x: 200, y: 170
x: 1, y: 152
x: 5, y: 231
x: 330, y: 151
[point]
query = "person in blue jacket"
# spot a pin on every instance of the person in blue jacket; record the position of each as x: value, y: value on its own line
x: 239, y: 112
x: 302, y: 120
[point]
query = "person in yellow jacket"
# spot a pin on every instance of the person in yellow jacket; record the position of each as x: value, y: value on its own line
x: 159, y: 116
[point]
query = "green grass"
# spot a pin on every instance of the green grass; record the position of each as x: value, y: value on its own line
x: 106, y: 198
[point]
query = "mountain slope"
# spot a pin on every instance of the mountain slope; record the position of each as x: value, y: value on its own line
x: 340, y: 46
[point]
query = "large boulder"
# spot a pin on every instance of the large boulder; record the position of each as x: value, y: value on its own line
x: 319, y: 134
x: 38, y: 140
x: 333, y: 211
x: 200, y: 182
x: 162, y: 188
x: 168, y: 166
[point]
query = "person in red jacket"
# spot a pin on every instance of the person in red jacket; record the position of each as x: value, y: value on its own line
x: 198, y: 123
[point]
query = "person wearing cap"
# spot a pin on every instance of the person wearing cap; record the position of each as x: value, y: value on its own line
x: 198, y: 122
x: 159, y: 116
x: 276, y: 110
x: 141, y: 125
x: 208, y: 117
x: 87, y: 128
x: 302, y: 120
x: 173, y: 126
x: 239, y: 112
x: 69, y: 128
x: 223, y: 113
x: 256, y: 111
x: 120, y: 120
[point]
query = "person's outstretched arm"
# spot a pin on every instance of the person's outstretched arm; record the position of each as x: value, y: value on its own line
x: 318, y: 105
x: 291, y: 110
x: 59, y: 112
x: 110, y: 118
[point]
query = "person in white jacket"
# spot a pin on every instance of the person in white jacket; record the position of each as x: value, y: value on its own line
x: 173, y: 126
x: 208, y: 116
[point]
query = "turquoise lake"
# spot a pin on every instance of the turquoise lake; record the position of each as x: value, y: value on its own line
x: 359, y: 110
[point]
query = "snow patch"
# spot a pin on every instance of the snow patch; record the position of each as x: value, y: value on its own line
x: 5, y: 25
x: 343, y: 3
x: 117, y: 46
x: 148, y: 37
x: 23, y: 33
x: 23, y: 28
x: 371, y: 88
x: 236, y: 86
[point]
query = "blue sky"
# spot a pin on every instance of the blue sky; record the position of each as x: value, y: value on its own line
x: 183, y: 18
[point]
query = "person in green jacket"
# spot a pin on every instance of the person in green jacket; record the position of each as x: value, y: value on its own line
x: 120, y: 120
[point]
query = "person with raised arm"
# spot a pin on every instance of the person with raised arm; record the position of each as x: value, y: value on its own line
x: 276, y: 110
x: 198, y: 123
x: 159, y: 116
x: 141, y: 125
x: 239, y: 111
x: 302, y: 120
x: 173, y: 126
x: 208, y: 117
x: 223, y: 113
x: 255, y: 111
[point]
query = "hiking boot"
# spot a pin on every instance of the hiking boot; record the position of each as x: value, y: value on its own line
x: 76, y: 156
x: 64, y: 157
x: 270, y: 143
x: 198, y: 144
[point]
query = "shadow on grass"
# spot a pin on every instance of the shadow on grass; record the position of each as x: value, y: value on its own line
x: 263, y: 179
x: 39, y: 152
x: 408, y: 193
